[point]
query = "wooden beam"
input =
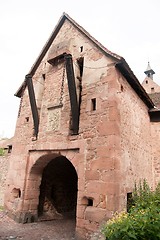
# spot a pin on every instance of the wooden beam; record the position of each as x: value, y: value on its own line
x: 72, y: 93
x: 32, y: 99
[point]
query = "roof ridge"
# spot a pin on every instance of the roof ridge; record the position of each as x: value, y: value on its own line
x: 121, y: 64
x: 53, y: 34
x: 118, y: 57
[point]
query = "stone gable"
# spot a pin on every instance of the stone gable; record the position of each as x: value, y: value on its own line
x: 80, y: 141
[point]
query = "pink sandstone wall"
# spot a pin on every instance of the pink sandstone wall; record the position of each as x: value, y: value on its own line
x: 111, y: 151
x: 4, y: 165
x: 135, y: 140
x: 155, y: 131
x: 92, y: 152
x: 150, y: 86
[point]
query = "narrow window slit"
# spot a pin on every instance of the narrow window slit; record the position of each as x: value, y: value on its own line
x: 27, y: 119
x: 9, y: 148
x: 129, y: 201
x: 44, y: 76
x: 93, y: 104
x: 80, y: 62
x: 90, y: 202
x: 81, y: 49
x: 152, y: 89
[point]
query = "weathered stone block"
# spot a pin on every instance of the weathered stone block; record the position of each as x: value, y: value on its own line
x: 95, y: 214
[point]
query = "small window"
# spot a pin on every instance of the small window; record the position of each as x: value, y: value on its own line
x: 27, y: 119
x: 146, y: 81
x: 129, y: 201
x: 81, y: 49
x: 152, y: 89
x: 9, y: 148
x: 122, y: 88
x: 87, y: 201
x: 80, y: 62
x: 16, y: 193
x: 93, y: 104
x: 44, y: 76
x: 90, y: 202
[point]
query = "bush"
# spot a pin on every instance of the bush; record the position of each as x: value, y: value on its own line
x: 2, y: 152
x: 142, y: 222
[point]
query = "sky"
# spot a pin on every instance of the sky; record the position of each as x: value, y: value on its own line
x: 126, y: 27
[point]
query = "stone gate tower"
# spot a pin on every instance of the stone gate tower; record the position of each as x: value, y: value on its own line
x: 80, y: 141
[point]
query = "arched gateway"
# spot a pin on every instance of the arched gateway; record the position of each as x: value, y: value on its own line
x: 51, y: 189
x: 58, y: 189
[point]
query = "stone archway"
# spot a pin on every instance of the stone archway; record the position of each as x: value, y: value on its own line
x: 58, y: 190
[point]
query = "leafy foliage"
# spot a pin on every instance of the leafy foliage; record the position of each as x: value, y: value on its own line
x: 142, y: 222
x: 1, y: 208
x: 2, y: 152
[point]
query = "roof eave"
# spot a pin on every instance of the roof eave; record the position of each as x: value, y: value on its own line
x: 97, y: 43
x: 42, y: 53
x: 120, y: 62
x: 125, y: 70
x: 50, y: 40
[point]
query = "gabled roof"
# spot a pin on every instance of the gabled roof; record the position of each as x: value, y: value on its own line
x: 155, y: 98
x: 121, y: 63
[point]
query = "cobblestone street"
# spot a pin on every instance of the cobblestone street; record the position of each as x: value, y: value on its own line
x: 63, y: 229
x: 47, y: 230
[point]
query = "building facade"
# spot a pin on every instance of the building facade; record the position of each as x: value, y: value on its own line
x: 84, y: 133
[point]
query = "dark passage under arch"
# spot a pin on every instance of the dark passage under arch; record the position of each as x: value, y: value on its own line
x: 58, y: 190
